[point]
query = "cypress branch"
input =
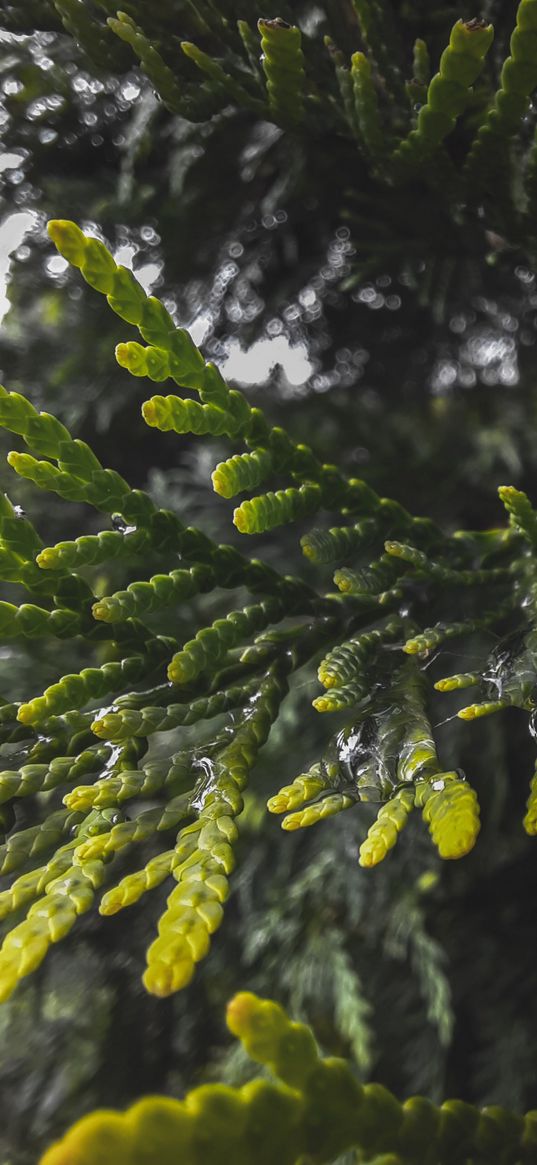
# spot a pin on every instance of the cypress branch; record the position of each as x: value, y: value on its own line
x: 312, y: 1105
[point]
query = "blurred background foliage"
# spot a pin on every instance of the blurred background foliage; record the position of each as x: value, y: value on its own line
x: 261, y: 243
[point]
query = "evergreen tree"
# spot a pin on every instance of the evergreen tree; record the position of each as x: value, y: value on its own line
x: 352, y: 186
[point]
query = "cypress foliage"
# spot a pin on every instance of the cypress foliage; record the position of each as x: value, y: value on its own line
x: 386, y: 751
x: 318, y: 1106
x: 404, y: 585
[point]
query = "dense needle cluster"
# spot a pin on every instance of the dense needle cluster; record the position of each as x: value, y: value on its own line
x: 116, y: 811
x: 435, y: 149
x: 371, y: 635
